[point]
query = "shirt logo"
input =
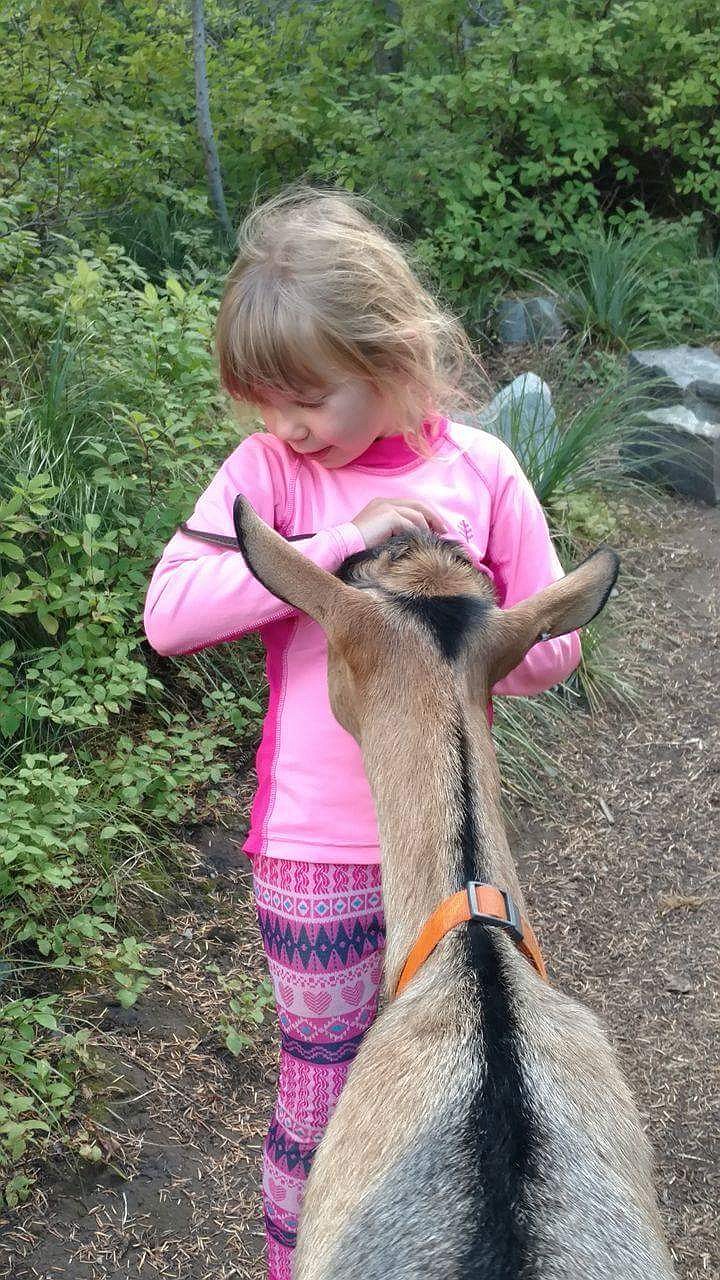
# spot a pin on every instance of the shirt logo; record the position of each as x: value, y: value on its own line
x: 466, y: 530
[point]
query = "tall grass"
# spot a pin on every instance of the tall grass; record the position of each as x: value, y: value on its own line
x: 62, y: 413
x: 163, y: 237
x: 526, y: 732
x: 578, y: 466
x: 582, y: 447
x: 639, y: 283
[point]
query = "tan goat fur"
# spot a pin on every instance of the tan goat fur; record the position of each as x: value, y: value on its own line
x: 485, y: 1131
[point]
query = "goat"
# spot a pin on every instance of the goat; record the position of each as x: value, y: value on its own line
x: 485, y: 1131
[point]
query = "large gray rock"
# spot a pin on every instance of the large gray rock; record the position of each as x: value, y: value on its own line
x: 707, y: 391
x: 680, y: 450
x: 678, y: 437
x: 672, y: 370
x: 522, y: 415
x: 523, y: 320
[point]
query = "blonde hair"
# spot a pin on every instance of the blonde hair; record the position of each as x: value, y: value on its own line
x: 318, y: 291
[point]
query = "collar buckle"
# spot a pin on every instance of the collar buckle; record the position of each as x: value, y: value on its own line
x: 512, y: 925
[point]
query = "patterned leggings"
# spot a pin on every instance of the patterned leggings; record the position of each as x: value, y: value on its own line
x: 323, y: 930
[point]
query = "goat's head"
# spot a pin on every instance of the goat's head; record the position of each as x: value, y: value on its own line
x: 415, y: 599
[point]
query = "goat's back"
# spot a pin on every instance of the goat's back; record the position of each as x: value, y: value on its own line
x: 482, y: 1139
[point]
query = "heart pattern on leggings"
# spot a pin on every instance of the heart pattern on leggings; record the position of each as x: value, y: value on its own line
x: 317, y: 1001
x: 351, y: 995
x: 277, y: 1193
x: 286, y: 993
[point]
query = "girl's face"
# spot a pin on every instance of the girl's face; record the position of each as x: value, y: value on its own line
x: 333, y: 424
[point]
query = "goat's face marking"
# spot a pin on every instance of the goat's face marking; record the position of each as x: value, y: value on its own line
x: 402, y: 605
x: 426, y: 584
x: 416, y: 565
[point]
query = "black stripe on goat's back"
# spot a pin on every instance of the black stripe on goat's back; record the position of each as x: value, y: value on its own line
x: 502, y: 1137
x: 449, y: 618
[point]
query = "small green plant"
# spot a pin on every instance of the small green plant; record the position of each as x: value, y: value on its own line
x: 584, y: 514
x: 248, y: 1002
x: 40, y: 1064
x: 634, y: 282
x: 157, y: 775
x: 608, y: 281
x: 131, y: 974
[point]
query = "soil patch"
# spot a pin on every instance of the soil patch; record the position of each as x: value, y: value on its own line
x: 624, y: 876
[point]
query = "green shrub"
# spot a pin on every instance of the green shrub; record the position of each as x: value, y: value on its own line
x: 490, y: 140
x: 109, y: 411
x: 39, y: 1074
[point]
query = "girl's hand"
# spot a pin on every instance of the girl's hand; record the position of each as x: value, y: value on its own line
x: 382, y: 519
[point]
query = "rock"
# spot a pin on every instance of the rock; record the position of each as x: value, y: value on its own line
x: 707, y: 391
x: 522, y: 320
x: 220, y: 933
x: 680, y: 450
x: 673, y: 369
x: 682, y: 419
x: 678, y: 437
x: 678, y: 983
x: 522, y: 415
x: 117, y: 1018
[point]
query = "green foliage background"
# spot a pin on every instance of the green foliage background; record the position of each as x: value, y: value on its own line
x: 491, y: 132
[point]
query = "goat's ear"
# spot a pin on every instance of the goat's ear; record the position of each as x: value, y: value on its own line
x: 284, y: 571
x: 565, y: 605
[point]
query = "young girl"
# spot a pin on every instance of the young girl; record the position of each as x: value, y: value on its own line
x: 325, y: 329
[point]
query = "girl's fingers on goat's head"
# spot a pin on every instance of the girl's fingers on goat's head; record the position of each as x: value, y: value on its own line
x: 404, y: 524
x: 432, y: 519
x: 417, y: 519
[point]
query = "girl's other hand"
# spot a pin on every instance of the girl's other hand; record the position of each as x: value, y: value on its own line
x: 382, y: 519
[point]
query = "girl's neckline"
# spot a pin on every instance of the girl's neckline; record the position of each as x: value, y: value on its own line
x: 392, y: 453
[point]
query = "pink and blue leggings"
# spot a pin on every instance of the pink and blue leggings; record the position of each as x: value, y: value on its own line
x: 323, y: 930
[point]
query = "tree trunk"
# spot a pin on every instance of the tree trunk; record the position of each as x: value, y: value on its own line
x: 389, y: 60
x: 204, y: 123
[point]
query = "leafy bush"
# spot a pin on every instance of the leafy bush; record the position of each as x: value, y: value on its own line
x: 39, y: 1074
x: 510, y: 129
x: 108, y: 411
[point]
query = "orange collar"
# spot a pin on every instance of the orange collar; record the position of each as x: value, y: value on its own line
x: 484, y: 904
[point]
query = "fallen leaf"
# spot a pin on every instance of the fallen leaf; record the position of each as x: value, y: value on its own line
x: 679, y: 901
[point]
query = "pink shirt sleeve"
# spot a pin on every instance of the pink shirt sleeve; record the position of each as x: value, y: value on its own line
x: 201, y: 595
x: 523, y: 561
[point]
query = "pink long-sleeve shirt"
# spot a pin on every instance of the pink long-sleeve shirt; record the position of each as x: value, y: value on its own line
x: 313, y: 800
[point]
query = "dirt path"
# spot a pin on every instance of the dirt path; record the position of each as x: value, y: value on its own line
x: 625, y: 876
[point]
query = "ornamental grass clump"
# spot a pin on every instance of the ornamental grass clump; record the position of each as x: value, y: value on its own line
x: 638, y: 282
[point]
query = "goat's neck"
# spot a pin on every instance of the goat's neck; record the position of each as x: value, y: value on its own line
x: 435, y: 784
